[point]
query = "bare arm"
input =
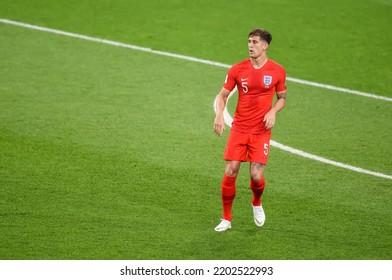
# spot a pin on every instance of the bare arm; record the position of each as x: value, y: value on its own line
x: 219, y: 123
x: 270, y: 117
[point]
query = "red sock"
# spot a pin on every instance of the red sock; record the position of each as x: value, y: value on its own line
x: 257, y: 189
x: 228, y: 194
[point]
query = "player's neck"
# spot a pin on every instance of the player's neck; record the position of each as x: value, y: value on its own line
x: 259, y: 62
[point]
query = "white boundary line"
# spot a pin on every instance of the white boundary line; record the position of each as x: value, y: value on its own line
x: 228, y: 118
x: 351, y: 91
x: 328, y: 161
x: 184, y: 57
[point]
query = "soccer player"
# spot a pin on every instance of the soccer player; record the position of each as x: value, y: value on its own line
x: 258, y: 79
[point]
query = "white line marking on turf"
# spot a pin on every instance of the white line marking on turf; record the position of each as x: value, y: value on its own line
x: 228, y: 118
x: 328, y: 161
x: 184, y: 57
x: 356, y: 92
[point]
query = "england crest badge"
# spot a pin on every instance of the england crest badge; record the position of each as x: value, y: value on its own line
x: 267, y: 80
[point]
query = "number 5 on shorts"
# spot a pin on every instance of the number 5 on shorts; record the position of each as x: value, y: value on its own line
x: 266, y: 149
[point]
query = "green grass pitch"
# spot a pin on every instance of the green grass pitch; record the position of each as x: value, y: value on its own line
x: 109, y: 153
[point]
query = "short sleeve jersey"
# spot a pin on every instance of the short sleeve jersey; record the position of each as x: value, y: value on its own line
x: 256, y: 91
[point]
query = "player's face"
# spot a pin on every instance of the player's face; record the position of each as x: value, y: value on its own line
x: 256, y: 46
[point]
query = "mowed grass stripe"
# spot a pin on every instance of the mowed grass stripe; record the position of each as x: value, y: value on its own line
x: 274, y: 143
x: 179, y: 56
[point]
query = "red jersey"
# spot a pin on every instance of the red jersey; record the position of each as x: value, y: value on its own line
x: 256, y: 91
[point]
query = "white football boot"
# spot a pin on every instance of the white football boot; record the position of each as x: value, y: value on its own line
x: 223, y: 225
x: 258, y: 215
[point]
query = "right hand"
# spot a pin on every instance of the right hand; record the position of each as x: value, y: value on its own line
x: 219, y: 125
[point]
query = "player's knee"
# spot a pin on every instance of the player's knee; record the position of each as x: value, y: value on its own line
x: 256, y: 176
x: 232, y: 168
x: 256, y: 171
x: 231, y: 172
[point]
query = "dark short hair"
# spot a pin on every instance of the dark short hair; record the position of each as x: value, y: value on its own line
x: 262, y: 33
